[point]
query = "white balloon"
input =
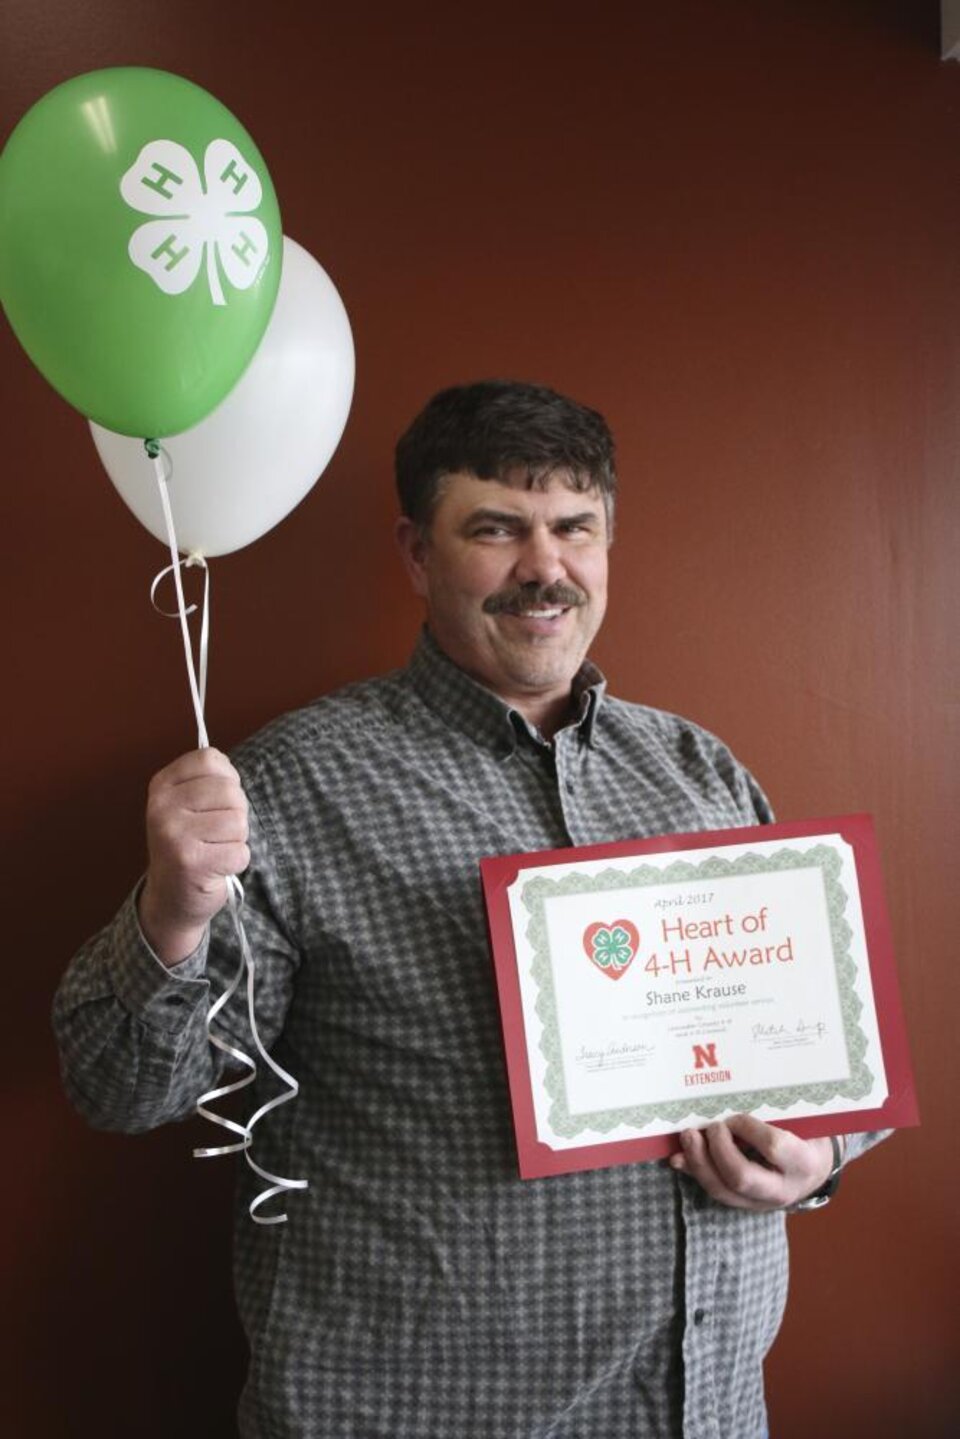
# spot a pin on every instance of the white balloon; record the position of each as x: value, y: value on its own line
x: 237, y: 473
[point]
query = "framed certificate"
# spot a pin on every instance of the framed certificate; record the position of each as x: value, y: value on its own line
x: 651, y: 986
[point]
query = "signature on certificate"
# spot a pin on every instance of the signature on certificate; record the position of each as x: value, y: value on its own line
x: 804, y: 1031
x: 617, y: 1055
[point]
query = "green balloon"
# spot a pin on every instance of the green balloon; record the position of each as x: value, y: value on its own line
x: 140, y: 247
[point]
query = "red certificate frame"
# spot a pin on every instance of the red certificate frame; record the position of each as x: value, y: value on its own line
x: 537, y: 1158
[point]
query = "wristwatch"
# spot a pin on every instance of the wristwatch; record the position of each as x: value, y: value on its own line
x: 828, y: 1188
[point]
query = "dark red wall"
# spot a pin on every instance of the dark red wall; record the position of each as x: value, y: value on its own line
x: 736, y: 229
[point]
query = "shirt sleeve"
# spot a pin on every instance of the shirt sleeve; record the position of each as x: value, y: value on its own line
x: 858, y: 1144
x: 744, y: 789
x: 706, y: 761
x: 132, y: 1032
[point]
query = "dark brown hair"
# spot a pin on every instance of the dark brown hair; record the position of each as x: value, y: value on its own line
x: 495, y: 428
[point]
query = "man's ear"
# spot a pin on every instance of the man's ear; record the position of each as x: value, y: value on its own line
x: 412, y: 544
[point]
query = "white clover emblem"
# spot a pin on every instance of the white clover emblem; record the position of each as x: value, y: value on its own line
x: 201, y: 219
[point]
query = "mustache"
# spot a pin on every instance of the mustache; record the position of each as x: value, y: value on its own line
x: 519, y: 598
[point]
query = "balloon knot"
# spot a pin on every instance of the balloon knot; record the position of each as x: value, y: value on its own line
x: 152, y: 448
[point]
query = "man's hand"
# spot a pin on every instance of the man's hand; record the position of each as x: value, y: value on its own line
x: 196, y: 836
x: 747, y: 1164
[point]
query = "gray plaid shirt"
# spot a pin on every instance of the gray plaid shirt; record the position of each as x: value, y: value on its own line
x: 420, y: 1290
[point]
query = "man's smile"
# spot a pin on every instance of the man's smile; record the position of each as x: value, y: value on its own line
x: 543, y: 621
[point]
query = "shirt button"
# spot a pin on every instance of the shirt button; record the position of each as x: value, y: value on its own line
x: 699, y: 1315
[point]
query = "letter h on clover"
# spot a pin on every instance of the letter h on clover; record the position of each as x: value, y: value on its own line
x: 200, y: 219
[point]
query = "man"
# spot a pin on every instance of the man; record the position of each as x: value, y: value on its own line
x: 419, y: 1287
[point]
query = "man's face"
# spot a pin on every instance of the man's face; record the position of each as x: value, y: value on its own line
x: 515, y: 582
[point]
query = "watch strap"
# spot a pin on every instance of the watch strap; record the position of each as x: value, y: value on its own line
x: 828, y: 1188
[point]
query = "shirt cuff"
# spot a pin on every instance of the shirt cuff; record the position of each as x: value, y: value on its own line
x: 162, y: 996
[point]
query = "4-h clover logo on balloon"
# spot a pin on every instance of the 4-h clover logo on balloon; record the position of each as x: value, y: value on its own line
x: 611, y: 947
x: 208, y: 218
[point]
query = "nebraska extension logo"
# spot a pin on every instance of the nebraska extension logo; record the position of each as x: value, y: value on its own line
x: 707, y: 1068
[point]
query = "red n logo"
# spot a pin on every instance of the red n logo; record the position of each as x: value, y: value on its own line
x: 705, y: 1054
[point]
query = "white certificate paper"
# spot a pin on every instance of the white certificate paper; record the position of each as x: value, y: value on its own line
x: 659, y: 989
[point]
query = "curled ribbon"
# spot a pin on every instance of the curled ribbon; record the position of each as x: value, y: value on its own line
x: 197, y: 678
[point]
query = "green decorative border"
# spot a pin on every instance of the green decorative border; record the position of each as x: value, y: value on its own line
x: 821, y: 857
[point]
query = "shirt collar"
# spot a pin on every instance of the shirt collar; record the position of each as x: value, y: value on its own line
x: 469, y: 706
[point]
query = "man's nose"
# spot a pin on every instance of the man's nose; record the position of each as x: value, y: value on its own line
x: 540, y: 560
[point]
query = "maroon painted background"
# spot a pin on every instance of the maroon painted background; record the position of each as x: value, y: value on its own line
x: 733, y: 227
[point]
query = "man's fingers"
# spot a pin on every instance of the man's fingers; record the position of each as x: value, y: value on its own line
x: 211, y: 826
x: 197, y: 797
x: 197, y: 764
x: 803, y: 1163
x: 772, y: 1144
x: 197, y: 831
x: 223, y: 860
x: 777, y: 1169
x: 223, y: 826
x: 737, y: 1172
x: 696, y: 1160
x: 200, y: 795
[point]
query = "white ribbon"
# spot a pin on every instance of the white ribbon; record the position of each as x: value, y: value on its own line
x: 163, y: 468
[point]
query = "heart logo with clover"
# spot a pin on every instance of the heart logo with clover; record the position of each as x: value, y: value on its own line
x: 611, y: 946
